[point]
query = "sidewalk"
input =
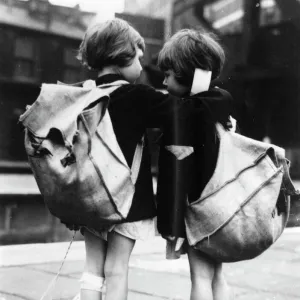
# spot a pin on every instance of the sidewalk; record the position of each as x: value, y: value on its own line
x: 27, y: 270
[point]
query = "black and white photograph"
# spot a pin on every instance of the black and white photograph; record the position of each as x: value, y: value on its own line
x: 149, y: 149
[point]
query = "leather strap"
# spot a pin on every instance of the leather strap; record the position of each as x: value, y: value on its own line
x: 287, y: 181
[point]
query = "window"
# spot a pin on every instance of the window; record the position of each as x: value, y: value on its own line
x: 25, y: 59
x: 72, y: 67
x: 225, y: 15
x: 6, y: 57
x: 270, y: 13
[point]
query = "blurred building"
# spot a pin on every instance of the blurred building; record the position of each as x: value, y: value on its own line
x: 153, y: 31
x: 158, y: 9
x: 261, y: 39
x: 227, y: 16
x: 38, y: 43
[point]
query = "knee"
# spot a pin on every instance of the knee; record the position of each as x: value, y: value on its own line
x: 115, y: 269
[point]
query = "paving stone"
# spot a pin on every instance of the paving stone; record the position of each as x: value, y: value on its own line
x: 71, y: 268
x: 264, y: 296
x: 160, y: 284
x: 258, y: 281
x: 158, y: 263
x: 9, y: 296
x: 272, y: 276
x: 139, y: 296
x: 32, y: 284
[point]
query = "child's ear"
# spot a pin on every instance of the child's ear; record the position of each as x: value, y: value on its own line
x: 201, y: 81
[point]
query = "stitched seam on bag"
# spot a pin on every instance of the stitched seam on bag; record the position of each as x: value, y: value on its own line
x: 105, y: 187
x: 97, y: 133
x: 99, y: 172
x: 271, y: 163
x: 33, y: 133
x: 256, y: 162
x: 241, y: 206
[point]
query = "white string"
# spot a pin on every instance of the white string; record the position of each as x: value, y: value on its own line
x: 53, y: 282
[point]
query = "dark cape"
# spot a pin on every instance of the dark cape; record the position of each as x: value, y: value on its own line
x: 182, y: 181
x: 133, y: 108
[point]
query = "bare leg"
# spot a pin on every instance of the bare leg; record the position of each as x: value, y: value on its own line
x: 94, y: 264
x: 221, y: 290
x: 202, y: 274
x: 116, y: 266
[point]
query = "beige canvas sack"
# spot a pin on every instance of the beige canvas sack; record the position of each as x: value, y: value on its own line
x: 75, y: 157
x: 245, y: 206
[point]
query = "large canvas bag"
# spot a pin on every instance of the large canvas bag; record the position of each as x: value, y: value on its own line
x: 245, y: 206
x: 75, y: 157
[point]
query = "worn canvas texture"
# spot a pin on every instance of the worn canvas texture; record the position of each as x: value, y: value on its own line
x: 237, y: 216
x: 73, y: 155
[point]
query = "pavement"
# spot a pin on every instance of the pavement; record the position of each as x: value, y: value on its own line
x: 27, y: 270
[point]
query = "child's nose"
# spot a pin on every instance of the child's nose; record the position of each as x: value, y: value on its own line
x: 165, y: 82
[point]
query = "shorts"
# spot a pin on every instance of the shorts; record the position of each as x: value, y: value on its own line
x: 139, y: 230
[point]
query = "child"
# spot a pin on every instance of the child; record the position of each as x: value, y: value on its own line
x: 114, y: 50
x: 187, y: 55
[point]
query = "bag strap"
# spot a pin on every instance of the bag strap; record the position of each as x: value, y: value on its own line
x: 288, y: 185
x: 137, y: 159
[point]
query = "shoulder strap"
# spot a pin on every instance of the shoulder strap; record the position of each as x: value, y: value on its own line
x: 287, y: 181
x: 137, y: 158
x: 115, y: 83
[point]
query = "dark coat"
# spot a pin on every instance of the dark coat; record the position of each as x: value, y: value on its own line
x: 133, y: 108
x: 182, y: 181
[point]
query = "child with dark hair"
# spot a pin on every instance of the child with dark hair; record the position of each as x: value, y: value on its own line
x: 114, y: 50
x: 190, y: 59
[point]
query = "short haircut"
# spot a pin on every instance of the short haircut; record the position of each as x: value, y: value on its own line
x: 112, y: 42
x: 189, y: 49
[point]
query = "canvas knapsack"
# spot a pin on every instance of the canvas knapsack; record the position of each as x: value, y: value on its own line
x: 245, y: 206
x: 75, y: 157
